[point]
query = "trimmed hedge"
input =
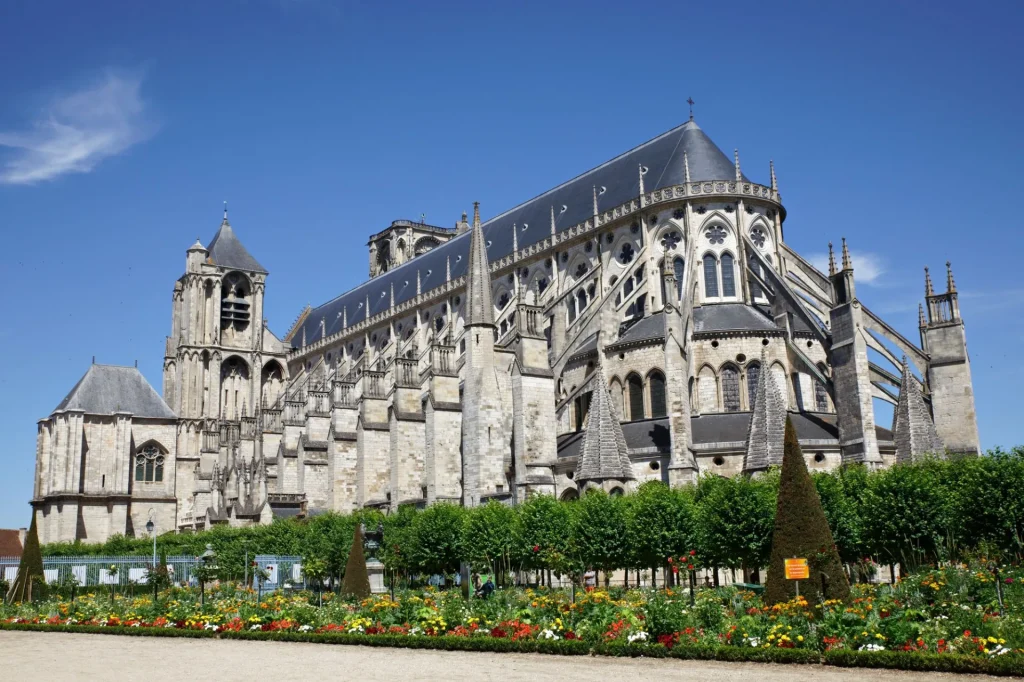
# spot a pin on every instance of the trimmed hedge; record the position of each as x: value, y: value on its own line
x: 1009, y: 665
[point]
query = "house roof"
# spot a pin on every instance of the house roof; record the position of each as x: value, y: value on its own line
x: 227, y: 251
x: 573, y: 203
x: 106, y: 389
x: 10, y: 542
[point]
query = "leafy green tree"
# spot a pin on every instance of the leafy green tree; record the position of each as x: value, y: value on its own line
x: 735, y: 517
x: 660, y: 524
x: 436, y: 539
x: 599, y: 532
x: 840, y: 493
x: 491, y: 538
x: 545, y: 527
x: 906, y: 523
x: 801, y: 530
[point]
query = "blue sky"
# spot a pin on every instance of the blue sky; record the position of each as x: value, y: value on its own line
x: 123, y: 127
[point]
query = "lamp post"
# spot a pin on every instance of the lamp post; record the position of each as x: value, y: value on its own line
x: 151, y: 529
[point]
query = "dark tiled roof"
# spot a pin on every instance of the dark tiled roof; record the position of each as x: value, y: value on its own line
x: 10, y: 542
x: 106, y: 389
x: 227, y: 251
x: 662, y: 156
x: 649, y: 328
x: 727, y: 317
x: 649, y: 433
x: 720, y: 427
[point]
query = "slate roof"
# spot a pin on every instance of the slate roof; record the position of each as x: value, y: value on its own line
x: 650, y: 327
x: 727, y: 317
x: 106, y: 389
x: 662, y: 156
x: 227, y: 251
x: 604, y: 449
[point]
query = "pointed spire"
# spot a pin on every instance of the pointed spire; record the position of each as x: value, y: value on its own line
x: 448, y: 268
x: 419, y: 283
x: 928, y: 291
x: 686, y: 164
x: 921, y: 322
x: 736, y: 162
x: 831, y: 260
x: 515, y: 238
x: 847, y: 263
x: 479, y: 308
x: 767, y: 422
x: 595, y: 206
x: 913, y: 430
x: 643, y: 172
x: 771, y: 168
x: 344, y: 317
x: 552, y: 221
x: 950, y: 284
x: 603, y: 454
x: 392, y: 300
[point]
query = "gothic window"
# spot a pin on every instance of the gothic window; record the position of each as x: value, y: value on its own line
x: 731, y: 388
x: 626, y: 253
x: 627, y: 288
x: 671, y: 240
x: 581, y: 405
x: 639, y: 275
x: 728, y: 275
x: 426, y: 244
x: 503, y: 300
x: 439, y: 323
x: 820, y: 396
x: 753, y: 372
x: 658, y: 404
x: 755, y: 288
x: 680, y: 271
x: 542, y: 284
x: 571, y: 311
x: 149, y: 465
x: 758, y: 236
x: 715, y: 235
x: 635, y: 387
x: 581, y: 301
x: 710, y: 276
x: 234, y: 302
x: 581, y: 270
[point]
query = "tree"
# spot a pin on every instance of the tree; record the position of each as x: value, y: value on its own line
x: 436, y: 545
x: 30, y: 570
x: 734, y: 520
x: 356, y: 582
x: 907, y: 520
x: 801, y: 530
x: 599, y: 533
x: 490, y: 538
x: 660, y: 524
x: 545, y: 527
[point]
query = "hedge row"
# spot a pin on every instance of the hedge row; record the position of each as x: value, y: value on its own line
x: 1010, y: 665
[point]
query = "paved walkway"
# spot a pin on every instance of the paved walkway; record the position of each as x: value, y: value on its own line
x: 59, y: 656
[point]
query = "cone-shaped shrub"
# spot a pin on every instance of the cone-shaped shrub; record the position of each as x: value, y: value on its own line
x: 802, y: 531
x: 356, y: 582
x: 30, y: 570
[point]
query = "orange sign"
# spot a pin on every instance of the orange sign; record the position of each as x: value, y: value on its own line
x: 796, y: 569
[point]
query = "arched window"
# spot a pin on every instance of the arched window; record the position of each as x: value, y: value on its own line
x: 149, y: 465
x: 710, y: 276
x: 658, y: 405
x: 678, y: 267
x: 753, y: 372
x: 731, y: 388
x: 755, y: 288
x: 728, y: 275
x: 635, y: 387
x: 234, y: 302
x: 581, y: 301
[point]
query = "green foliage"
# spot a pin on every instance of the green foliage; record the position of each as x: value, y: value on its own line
x: 907, y: 515
x: 491, y: 538
x: 734, y: 520
x: 544, y: 524
x: 436, y: 545
x: 356, y: 582
x: 29, y: 583
x: 660, y: 524
x: 801, y: 530
x: 599, y: 531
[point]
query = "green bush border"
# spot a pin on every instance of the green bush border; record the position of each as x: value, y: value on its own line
x: 1009, y: 665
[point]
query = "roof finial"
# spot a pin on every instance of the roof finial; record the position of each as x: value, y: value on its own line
x: 950, y: 284
x: 476, y: 214
x: 920, y: 316
x: 643, y: 172
x: 515, y: 238
x: 225, y: 211
x: 775, y: 183
x: 686, y: 167
x: 928, y: 291
x: 736, y: 162
x: 595, y: 206
x: 553, y: 220
x: 94, y: 359
x: 847, y: 263
x: 831, y: 260
x: 689, y: 100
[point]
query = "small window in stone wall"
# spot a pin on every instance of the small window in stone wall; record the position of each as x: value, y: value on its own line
x: 731, y: 388
x: 635, y: 387
x: 753, y: 372
x: 626, y: 253
x: 658, y: 404
x: 728, y: 276
x: 149, y: 465
x: 710, y: 276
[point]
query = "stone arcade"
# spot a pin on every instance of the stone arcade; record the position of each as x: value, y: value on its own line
x: 644, y: 320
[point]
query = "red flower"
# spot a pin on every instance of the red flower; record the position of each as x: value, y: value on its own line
x: 670, y: 560
x: 536, y: 548
x: 967, y: 633
x: 1009, y: 581
x: 693, y: 552
x: 689, y: 566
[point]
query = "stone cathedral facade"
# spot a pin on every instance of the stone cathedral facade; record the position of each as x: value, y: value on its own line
x: 644, y: 320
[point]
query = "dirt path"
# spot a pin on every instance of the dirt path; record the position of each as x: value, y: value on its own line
x: 58, y: 656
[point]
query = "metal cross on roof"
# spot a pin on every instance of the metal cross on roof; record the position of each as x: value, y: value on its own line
x: 689, y: 100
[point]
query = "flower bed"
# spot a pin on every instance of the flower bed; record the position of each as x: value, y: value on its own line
x: 948, y: 619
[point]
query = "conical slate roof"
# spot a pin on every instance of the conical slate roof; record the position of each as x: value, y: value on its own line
x: 604, y: 454
x: 913, y: 429
x: 767, y: 423
x: 479, y: 308
x: 106, y: 389
x: 665, y: 157
x: 227, y: 251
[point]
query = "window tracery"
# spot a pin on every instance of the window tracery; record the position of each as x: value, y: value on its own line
x: 149, y: 465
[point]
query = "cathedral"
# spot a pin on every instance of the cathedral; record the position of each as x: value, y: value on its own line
x: 643, y: 321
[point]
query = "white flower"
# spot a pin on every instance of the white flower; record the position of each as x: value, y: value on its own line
x: 998, y: 651
x: 135, y: 625
x: 168, y: 625
x: 210, y: 626
x: 872, y: 647
x: 637, y: 637
x: 754, y: 641
x: 547, y: 634
x: 416, y: 631
x: 305, y: 628
x: 255, y: 627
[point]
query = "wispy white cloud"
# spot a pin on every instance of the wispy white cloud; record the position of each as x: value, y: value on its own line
x: 868, y: 267
x: 77, y: 131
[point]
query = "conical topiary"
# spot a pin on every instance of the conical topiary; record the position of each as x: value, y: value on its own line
x: 356, y: 582
x: 30, y: 570
x: 802, y: 531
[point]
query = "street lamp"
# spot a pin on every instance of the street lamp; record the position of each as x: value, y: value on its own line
x: 151, y: 529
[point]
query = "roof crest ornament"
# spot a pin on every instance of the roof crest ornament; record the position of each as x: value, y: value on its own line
x: 928, y: 291
x: 950, y: 284
x: 643, y: 172
x: 689, y: 100
x: 225, y: 211
x: 771, y: 168
x: 476, y: 214
x: 831, y: 260
x: 847, y: 263
x: 553, y: 220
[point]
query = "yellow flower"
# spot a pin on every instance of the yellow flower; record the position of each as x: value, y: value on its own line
x: 799, y: 638
x: 992, y: 640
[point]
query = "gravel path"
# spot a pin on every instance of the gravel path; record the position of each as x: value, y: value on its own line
x: 59, y: 656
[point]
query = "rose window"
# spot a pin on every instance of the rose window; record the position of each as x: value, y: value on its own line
x: 503, y: 300
x: 671, y: 240
x: 715, y: 235
x: 581, y: 270
x: 758, y: 236
x: 626, y: 253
